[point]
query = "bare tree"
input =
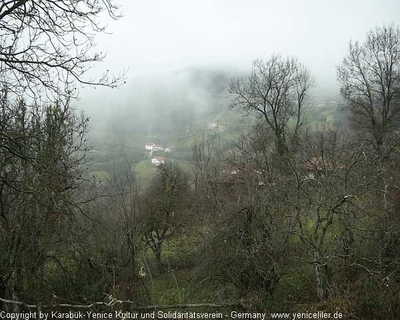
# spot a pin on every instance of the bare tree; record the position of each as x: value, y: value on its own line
x: 319, y: 192
x: 370, y: 83
x: 206, y: 159
x: 124, y: 245
x: 47, y: 46
x: 250, y: 235
x: 276, y: 90
x: 165, y: 206
x: 41, y: 161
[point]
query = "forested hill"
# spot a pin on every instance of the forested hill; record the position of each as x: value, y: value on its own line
x: 181, y: 100
x: 162, y: 103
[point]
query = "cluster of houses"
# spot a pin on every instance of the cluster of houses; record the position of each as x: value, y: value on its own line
x: 156, y: 147
x: 153, y: 147
x: 214, y: 127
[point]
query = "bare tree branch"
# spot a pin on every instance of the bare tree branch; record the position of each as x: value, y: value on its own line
x: 46, y: 47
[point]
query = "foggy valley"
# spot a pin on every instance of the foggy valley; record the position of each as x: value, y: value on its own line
x: 190, y: 160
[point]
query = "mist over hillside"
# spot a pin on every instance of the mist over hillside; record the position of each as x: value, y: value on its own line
x: 160, y: 103
x: 163, y: 103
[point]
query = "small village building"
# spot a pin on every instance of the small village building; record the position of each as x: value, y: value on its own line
x: 157, y: 147
x: 170, y: 149
x: 157, y: 161
x: 149, y: 146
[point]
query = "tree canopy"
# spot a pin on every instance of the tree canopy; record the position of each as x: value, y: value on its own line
x: 370, y: 84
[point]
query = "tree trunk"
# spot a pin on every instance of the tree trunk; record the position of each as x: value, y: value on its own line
x: 319, y: 277
x: 157, y: 252
x: 13, y: 291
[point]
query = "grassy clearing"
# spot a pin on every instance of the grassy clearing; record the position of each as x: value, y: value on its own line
x: 100, y: 175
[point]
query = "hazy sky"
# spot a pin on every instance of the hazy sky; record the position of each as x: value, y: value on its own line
x: 158, y: 36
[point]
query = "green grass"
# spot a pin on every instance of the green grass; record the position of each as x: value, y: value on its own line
x: 181, y: 282
x: 144, y: 172
x: 179, y: 287
x: 100, y: 175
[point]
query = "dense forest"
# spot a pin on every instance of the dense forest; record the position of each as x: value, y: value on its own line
x: 266, y: 199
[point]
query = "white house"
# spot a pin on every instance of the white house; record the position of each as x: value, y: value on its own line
x: 170, y: 149
x: 221, y: 127
x: 157, y: 148
x: 149, y: 146
x: 212, y: 125
x: 158, y: 160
